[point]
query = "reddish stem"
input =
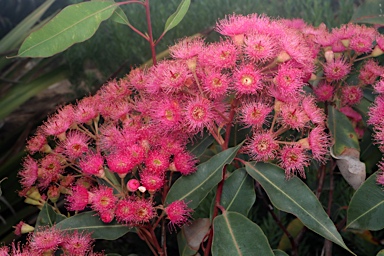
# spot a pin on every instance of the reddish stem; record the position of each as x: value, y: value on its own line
x: 149, y: 24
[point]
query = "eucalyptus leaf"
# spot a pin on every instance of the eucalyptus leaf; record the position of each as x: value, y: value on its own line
x: 198, y: 148
x: 75, y: 23
x: 235, y: 234
x: 238, y: 192
x: 279, y: 253
x: 293, y: 196
x: 48, y: 216
x: 177, y: 16
x: 371, y: 11
x: 193, y: 188
x: 366, y: 209
x: 120, y: 17
x: 90, y: 222
x: 192, y: 235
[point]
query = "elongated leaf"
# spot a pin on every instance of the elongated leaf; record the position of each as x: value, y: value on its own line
x: 24, y: 91
x: 238, y: 192
x: 177, y: 16
x: 193, y: 188
x: 293, y: 196
x: 366, y: 209
x: 294, y: 228
x: 90, y: 222
x: 48, y: 216
x: 342, y: 132
x: 12, y: 39
x: 120, y: 17
x: 75, y: 23
x: 234, y: 234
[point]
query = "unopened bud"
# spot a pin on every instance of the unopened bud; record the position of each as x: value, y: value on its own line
x: 142, y: 189
x: 23, y: 228
x: 376, y: 51
x: 133, y: 185
x: 329, y: 56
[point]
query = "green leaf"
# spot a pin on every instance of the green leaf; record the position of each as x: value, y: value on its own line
x: 366, y: 209
x: 293, y: 196
x: 120, y: 17
x: 238, y: 192
x: 193, y: 188
x: 293, y: 228
x: 90, y: 222
x: 177, y: 16
x: 75, y: 23
x: 48, y: 216
x: 234, y: 234
x: 198, y: 148
x: 371, y: 12
x: 279, y: 253
x: 342, y: 132
x: 192, y: 235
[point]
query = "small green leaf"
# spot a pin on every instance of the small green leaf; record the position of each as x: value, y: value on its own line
x: 48, y: 216
x: 193, y: 188
x: 342, y: 132
x: 120, y: 17
x: 293, y: 196
x: 238, y: 192
x: 198, y: 148
x: 90, y: 222
x: 371, y: 12
x: 235, y: 234
x: 177, y: 16
x: 75, y: 23
x: 366, y: 209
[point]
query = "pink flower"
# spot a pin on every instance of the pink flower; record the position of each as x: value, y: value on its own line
x: 288, y: 83
x: 219, y: 55
x: 107, y: 216
x: 370, y: 71
x: 187, y: 49
x: 260, y: 47
x: 77, y: 243
x: 315, y: 114
x: 247, y: 80
x: 292, y: 159
x: 255, y: 114
x: 178, y: 213
x: 324, y: 91
x: 380, y: 174
x: 37, y: 143
x: 184, y: 162
x: 144, y: 211
x: 198, y: 114
x: 125, y: 210
x: 103, y: 199
x: 376, y: 111
x: 92, y: 164
x: 86, y: 109
x: 51, y: 168
x: 78, y: 200
x: 336, y: 70
x: 75, y: 144
x: 45, y: 240
x: 319, y: 142
x: 215, y: 84
x: 115, y: 110
x: 157, y: 161
x: 29, y: 172
x: 138, y: 78
x: 171, y: 76
x: 120, y: 162
x: 152, y: 181
x: 59, y: 122
x: 361, y: 42
x: 233, y: 25
x: 114, y: 90
x: 168, y: 114
x: 262, y: 147
x: 379, y: 86
x: 293, y: 116
x: 351, y: 95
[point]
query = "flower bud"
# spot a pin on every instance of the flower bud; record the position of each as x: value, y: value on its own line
x: 133, y: 185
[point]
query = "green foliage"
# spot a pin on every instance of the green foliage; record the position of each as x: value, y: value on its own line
x: 287, y: 195
x: 235, y: 234
x: 176, y: 17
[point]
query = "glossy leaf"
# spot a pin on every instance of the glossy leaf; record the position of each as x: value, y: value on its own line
x: 371, y: 12
x: 193, y: 188
x: 48, y: 216
x: 342, y: 132
x: 177, y: 16
x: 198, y: 148
x: 90, y: 222
x: 293, y: 196
x: 75, y: 23
x: 238, y: 192
x: 192, y: 235
x: 235, y: 234
x: 366, y: 209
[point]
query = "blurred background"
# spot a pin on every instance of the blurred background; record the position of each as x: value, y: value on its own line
x: 31, y: 89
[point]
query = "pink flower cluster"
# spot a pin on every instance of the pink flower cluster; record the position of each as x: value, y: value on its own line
x: 48, y: 240
x: 136, y: 129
